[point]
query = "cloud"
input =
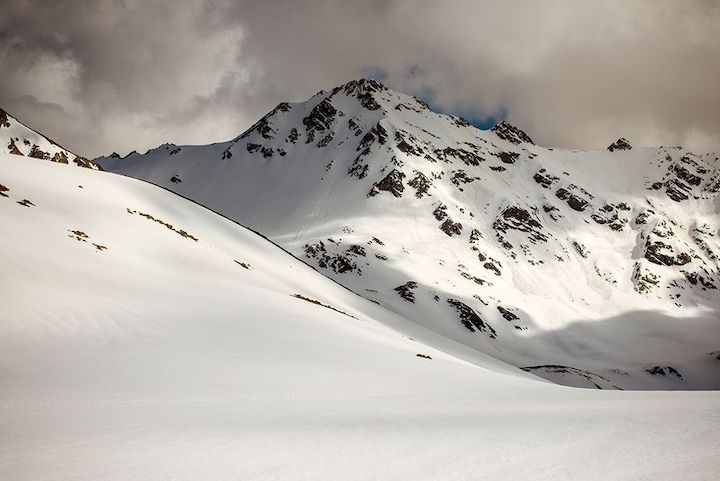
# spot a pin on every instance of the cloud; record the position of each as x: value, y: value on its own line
x: 131, y: 74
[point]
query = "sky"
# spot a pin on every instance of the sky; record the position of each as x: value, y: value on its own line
x: 99, y: 76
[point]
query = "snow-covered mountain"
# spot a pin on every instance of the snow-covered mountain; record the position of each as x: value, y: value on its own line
x: 588, y: 268
x: 18, y: 139
x: 145, y: 337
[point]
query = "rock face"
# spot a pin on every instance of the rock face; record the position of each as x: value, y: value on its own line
x: 509, y: 132
x: 538, y: 249
x: 469, y: 318
x: 393, y: 183
x: 619, y: 144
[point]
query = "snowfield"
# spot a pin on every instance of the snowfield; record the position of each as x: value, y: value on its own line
x: 593, y: 269
x: 145, y: 337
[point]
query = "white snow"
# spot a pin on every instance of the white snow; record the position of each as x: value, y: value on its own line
x: 584, y: 291
x: 18, y: 139
x: 160, y: 357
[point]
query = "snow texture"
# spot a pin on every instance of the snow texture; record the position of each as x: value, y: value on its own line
x: 601, y: 263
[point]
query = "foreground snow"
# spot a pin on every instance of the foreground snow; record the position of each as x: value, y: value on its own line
x: 158, y: 356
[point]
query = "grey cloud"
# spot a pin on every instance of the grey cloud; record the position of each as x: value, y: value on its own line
x: 131, y: 74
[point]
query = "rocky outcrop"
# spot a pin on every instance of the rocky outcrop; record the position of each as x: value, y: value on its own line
x: 406, y: 291
x: 509, y: 132
x: 319, y: 119
x: 470, y: 319
x: 393, y: 183
x: 619, y: 144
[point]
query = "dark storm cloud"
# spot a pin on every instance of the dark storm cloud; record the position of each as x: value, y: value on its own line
x: 103, y: 75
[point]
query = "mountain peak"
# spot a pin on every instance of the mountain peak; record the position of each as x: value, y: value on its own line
x: 509, y: 132
x: 18, y: 139
x: 463, y: 228
x: 620, y: 144
x: 363, y: 84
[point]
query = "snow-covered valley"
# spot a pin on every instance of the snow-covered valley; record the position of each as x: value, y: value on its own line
x: 381, y: 328
x: 132, y: 351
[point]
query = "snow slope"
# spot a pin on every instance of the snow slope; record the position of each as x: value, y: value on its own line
x: 144, y: 337
x: 589, y: 268
x: 18, y: 139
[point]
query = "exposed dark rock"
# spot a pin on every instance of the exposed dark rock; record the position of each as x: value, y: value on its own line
x: 451, y: 228
x: 595, y: 379
x: 406, y: 291
x: 509, y: 157
x: 467, y: 157
x: 26, y: 203
x: 677, y: 190
x: 4, y: 122
x: 405, y: 147
x: 181, y: 232
x: 546, y: 180
x: 492, y: 267
x: 470, y: 319
x: 363, y: 89
x: 643, y: 279
x: 475, y: 279
x: 664, y: 371
x: 319, y: 119
x: 325, y: 140
x: 175, y: 179
x: 507, y: 314
x: 575, y: 202
x: 340, y: 263
x: 424, y: 356
x: 318, y: 303
x: 618, y: 225
x: 642, y: 217
x: 605, y: 214
x: 661, y: 253
x: 581, y: 249
x: 619, y: 144
x: 60, y: 157
x: 459, y: 121
x: 357, y: 249
x: 517, y: 218
x: 460, y: 177
x: 509, y: 132
x: 359, y: 170
x: 293, y: 136
x: 85, y: 163
x: 393, y: 183
x: 694, y: 278
x: 12, y: 148
x: 244, y: 265
x: 685, y: 175
x: 4, y: 189
x: 39, y: 154
x: 377, y: 133
x: 440, y: 212
x: 252, y: 148
x: 420, y: 183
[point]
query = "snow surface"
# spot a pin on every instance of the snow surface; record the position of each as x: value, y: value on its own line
x: 161, y: 357
x: 589, y: 268
x: 18, y: 139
